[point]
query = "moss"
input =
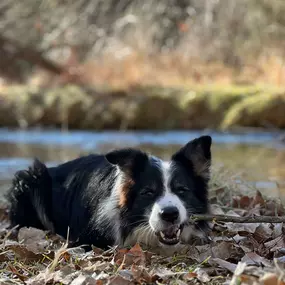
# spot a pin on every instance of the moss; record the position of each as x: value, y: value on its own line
x: 263, y: 110
x: 142, y: 107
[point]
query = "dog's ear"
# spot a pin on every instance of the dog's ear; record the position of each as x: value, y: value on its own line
x: 126, y: 159
x: 198, y: 153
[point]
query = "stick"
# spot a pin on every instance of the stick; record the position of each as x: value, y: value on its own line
x: 234, y: 219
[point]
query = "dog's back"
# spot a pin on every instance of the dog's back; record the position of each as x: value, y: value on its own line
x: 62, y: 197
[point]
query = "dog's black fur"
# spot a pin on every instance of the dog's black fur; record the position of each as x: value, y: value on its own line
x: 82, y: 194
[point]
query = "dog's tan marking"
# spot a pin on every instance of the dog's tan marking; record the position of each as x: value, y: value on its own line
x: 124, y: 190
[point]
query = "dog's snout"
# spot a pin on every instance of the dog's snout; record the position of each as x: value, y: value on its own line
x: 169, y: 214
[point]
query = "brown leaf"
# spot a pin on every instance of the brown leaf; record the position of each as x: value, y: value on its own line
x: 163, y: 273
x: 34, y: 239
x: 64, y: 276
x: 97, y: 251
x: 251, y: 258
x: 136, y: 250
x: 17, y: 273
x: 190, y: 276
x: 258, y: 199
x: 245, y: 202
x: 272, y: 208
x: 119, y: 280
x: 263, y: 232
x: 202, y: 275
x: 216, y: 210
x: 270, y: 279
x: 22, y: 252
x: 232, y: 213
x: 141, y: 275
x: 97, y: 266
x: 242, y: 227
x: 277, y: 230
x: 83, y: 280
x: 275, y: 244
x: 222, y: 250
x: 128, y: 257
x: 223, y: 264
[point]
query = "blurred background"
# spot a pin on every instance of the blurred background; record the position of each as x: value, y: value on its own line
x: 91, y: 75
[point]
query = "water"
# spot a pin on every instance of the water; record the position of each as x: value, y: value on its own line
x: 257, y: 157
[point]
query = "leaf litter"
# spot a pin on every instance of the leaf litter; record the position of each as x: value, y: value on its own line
x: 238, y: 253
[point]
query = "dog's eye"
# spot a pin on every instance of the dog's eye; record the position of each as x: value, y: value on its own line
x: 181, y: 190
x: 147, y: 192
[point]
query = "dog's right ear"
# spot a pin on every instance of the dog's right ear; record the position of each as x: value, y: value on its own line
x: 126, y: 159
x: 198, y: 153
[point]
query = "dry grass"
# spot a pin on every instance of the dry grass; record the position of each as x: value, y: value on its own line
x: 170, y: 69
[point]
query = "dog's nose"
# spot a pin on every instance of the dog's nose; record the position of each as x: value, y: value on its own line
x: 169, y: 214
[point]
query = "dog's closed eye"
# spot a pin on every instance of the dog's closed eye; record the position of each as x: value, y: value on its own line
x: 147, y: 192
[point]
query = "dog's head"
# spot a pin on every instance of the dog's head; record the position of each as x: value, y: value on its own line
x: 156, y: 198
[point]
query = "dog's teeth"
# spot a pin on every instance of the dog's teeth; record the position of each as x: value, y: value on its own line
x: 178, y: 233
x: 162, y: 234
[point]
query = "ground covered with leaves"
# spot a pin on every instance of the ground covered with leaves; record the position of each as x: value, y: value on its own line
x: 238, y: 253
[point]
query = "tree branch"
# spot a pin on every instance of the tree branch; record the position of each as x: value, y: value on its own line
x: 234, y: 219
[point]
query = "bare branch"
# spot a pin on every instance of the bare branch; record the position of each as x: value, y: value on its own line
x: 234, y: 219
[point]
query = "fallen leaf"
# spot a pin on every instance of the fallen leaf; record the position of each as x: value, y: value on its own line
x: 238, y: 238
x: 163, y: 273
x: 275, y: 244
x: 97, y: 266
x: 34, y: 239
x: 22, y: 252
x: 223, y: 264
x: 258, y: 199
x: 281, y: 259
x: 216, y: 210
x: 202, y: 275
x: 277, y: 230
x: 119, y: 280
x: 141, y: 275
x: 263, y: 232
x: 242, y: 227
x: 245, y: 202
x: 232, y: 213
x: 17, y: 273
x: 126, y: 274
x: 270, y: 279
x: 97, y: 250
x: 190, y: 276
x: 84, y: 280
x: 251, y: 258
x: 222, y: 250
x: 272, y: 208
x: 64, y: 276
x: 128, y: 257
x: 102, y: 276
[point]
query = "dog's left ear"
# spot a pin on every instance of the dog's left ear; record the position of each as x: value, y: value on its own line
x: 198, y: 153
x: 127, y: 159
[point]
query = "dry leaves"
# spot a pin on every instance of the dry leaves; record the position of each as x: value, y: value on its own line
x: 239, y: 253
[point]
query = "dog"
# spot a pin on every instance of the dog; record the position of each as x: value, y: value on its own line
x: 120, y: 198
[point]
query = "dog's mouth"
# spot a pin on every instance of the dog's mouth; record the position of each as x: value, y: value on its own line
x: 171, y: 235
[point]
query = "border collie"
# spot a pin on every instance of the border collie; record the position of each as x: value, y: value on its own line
x: 120, y: 198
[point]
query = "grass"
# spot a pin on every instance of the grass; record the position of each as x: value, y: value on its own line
x: 166, y: 70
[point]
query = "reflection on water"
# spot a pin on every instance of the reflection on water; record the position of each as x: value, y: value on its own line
x: 262, y: 165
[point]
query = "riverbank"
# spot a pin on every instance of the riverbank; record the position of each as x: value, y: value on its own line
x: 143, y: 107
